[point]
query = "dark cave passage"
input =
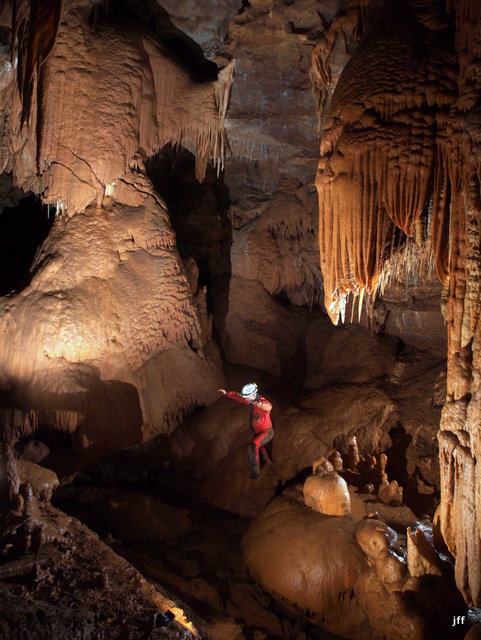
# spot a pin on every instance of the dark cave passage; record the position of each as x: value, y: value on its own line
x: 199, y: 216
x: 24, y: 224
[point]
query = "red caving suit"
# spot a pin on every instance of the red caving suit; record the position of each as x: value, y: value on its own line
x: 260, y: 421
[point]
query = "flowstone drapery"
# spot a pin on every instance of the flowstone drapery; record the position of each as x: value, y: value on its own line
x: 106, y: 342
x: 400, y: 159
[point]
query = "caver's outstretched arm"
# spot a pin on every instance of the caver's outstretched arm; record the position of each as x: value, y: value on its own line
x: 233, y: 395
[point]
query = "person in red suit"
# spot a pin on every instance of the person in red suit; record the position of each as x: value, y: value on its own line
x: 259, y: 421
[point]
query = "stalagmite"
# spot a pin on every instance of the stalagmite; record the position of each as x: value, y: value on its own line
x: 108, y: 310
x: 422, y: 559
x: 353, y: 456
x: 390, y: 492
x: 327, y: 492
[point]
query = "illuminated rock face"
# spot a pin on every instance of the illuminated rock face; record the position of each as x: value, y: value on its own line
x: 131, y: 104
x: 378, y: 149
x: 401, y: 148
x: 109, y: 340
x: 351, y: 571
x: 107, y: 336
x: 327, y: 493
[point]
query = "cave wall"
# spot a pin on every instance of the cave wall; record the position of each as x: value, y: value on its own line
x: 386, y: 82
x: 107, y: 341
x: 266, y: 297
x: 400, y: 145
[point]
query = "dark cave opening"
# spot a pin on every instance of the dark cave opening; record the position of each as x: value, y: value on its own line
x: 198, y: 213
x: 24, y: 225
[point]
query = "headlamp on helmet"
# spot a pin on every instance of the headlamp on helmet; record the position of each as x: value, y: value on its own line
x: 249, y: 390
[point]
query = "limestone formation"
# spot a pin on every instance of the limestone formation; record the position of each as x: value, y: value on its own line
x: 399, y: 160
x: 75, y: 173
x: 421, y: 557
x: 283, y: 549
x: 110, y: 340
x: 41, y: 481
x: 307, y: 560
x: 374, y: 537
x: 390, y: 492
x: 327, y: 493
x: 81, y: 586
x: 107, y: 337
x: 290, y: 551
x: 360, y: 168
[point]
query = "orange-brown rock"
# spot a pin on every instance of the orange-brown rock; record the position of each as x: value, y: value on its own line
x: 361, y: 170
x: 327, y: 493
x: 399, y: 135
x: 93, y: 101
x: 390, y: 492
x: 320, y: 565
x: 374, y: 537
x: 308, y: 432
x: 283, y: 550
x: 42, y: 481
x: 106, y: 336
x: 422, y: 559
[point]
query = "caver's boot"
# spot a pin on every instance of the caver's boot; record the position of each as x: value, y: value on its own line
x: 265, y: 458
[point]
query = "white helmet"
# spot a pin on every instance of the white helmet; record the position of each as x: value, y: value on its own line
x: 249, y: 390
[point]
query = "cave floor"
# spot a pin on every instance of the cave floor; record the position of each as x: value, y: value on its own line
x: 203, y: 568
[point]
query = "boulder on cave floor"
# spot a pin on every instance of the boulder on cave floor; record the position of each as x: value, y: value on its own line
x: 349, y: 575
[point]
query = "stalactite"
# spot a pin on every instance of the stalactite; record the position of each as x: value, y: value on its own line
x: 361, y: 244
x: 35, y: 26
x: 346, y: 26
x: 472, y: 301
x: 203, y: 131
x: 389, y: 170
x: 378, y: 157
x: 162, y: 104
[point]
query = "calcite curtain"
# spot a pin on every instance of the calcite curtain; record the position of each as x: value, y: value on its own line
x: 399, y: 150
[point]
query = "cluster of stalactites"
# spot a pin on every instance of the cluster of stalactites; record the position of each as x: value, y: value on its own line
x: 385, y: 170
x: 412, y: 262
x: 400, y: 236
x: 161, y: 103
x: 468, y: 16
